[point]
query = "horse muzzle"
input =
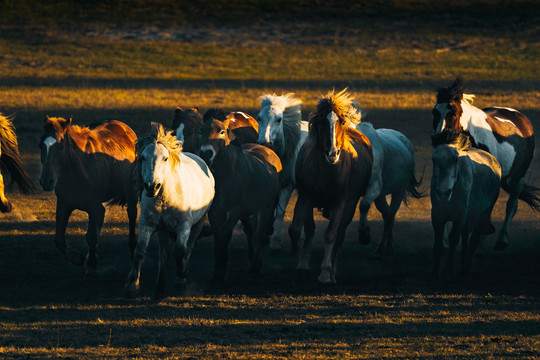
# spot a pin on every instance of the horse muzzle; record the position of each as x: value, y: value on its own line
x: 152, y: 189
x: 332, y: 155
x: 443, y: 195
x: 207, y: 153
x: 47, y: 184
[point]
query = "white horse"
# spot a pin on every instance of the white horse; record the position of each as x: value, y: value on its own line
x: 281, y: 126
x: 392, y: 174
x: 177, y: 191
x: 464, y: 188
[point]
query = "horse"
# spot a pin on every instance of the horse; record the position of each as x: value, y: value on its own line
x: 188, y: 123
x: 392, y: 174
x: 10, y: 162
x: 247, y: 189
x: 281, y: 126
x: 177, y: 189
x: 464, y: 188
x: 505, y: 133
x: 87, y: 166
x: 333, y: 170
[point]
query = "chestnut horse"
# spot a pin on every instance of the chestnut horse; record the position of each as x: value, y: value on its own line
x: 10, y: 162
x: 503, y: 132
x: 188, y: 123
x: 87, y: 166
x: 247, y: 189
x: 333, y: 170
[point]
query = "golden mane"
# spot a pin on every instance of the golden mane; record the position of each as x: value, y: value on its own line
x: 158, y: 135
x: 343, y: 102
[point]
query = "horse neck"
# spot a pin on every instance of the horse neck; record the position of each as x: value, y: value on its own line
x: 472, y: 118
x: 226, y: 161
x: 173, y: 185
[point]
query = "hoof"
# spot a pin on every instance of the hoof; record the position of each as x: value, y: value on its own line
x: 364, y: 236
x: 6, y: 207
x: 131, y: 292
x: 325, y: 278
x: 500, y: 246
x: 158, y: 295
x: 217, y: 280
x: 303, y: 273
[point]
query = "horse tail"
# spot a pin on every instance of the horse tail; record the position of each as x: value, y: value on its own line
x: 530, y: 198
x: 414, y: 188
x: 10, y: 159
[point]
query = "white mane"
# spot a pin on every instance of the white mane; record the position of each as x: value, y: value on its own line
x: 468, y: 98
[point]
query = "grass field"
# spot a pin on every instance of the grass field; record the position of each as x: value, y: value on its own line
x: 136, y: 61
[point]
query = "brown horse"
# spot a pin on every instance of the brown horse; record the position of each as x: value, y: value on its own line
x: 87, y: 166
x: 188, y: 124
x: 247, y: 188
x: 333, y: 170
x: 10, y: 162
x: 504, y: 132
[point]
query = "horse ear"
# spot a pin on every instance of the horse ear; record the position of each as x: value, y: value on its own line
x: 178, y: 110
x: 195, y: 109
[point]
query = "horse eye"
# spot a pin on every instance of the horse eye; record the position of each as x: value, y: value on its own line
x: 343, y: 123
x: 222, y: 132
x: 278, y: 120
x: 142, y: 158
x: 165, y: 159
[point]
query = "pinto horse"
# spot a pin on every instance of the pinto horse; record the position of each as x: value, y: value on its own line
x: 247, y: 189
x: 10, y: 162
x: 177, y: 190
x: 87, y: 166
x: 281, y: 126
x: 188, y: 123
x: 505, y: 133
x: 333, y: 170
x: 464, y: 188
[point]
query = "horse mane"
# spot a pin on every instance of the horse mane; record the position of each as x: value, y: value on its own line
x: 455, y: 92
x: 10, y: 158
x: 292, y: 116
x: 191, y: 117
x: 341, y: 103
x: 461, y: 141
x: 214, y: 113
x: 158, y: 135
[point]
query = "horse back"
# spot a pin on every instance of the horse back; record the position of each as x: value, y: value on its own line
x: 506, y: 122
x: 112, y: 138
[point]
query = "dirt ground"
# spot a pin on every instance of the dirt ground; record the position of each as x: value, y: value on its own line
x: 37, y: 286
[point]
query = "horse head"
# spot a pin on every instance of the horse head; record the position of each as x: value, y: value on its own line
x: 215, y: 135
x: 186, y: 124
x: 157, y: 153
x: 278, y: 119
x: 448, y: 109
x: 330, y: 122
x: 447, y: 147
x: 52, y: 145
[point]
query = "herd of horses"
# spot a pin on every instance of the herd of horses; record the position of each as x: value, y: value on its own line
x: 230, y: 167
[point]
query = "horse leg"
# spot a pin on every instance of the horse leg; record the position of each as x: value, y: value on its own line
x: 453, y: 240
x: 5, y: 205
x: 348, y: 214
x: 275, y: 239
x: 248, y: 224
x: 330, y: 237
x: 63, y: 212
x: 132, y: 282
x: 163, y: 238
x: 309, y: 231
x: 372, y: 192
x: 132, y: 216
x: 185, y: 241
x: 299, y: 218
x: 388, y: 219
x: 476, y: 236
x: 96, y: 216
x: 511, y: 208
x: 264, y: 220
x: 438, y: 248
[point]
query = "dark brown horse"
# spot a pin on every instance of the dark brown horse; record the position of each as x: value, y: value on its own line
x: 188, y: 124
x: 247, y: 188
x: 332, y: 172
x: 87, y: 166
x: 503, y: 132
x: 10, y: 162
